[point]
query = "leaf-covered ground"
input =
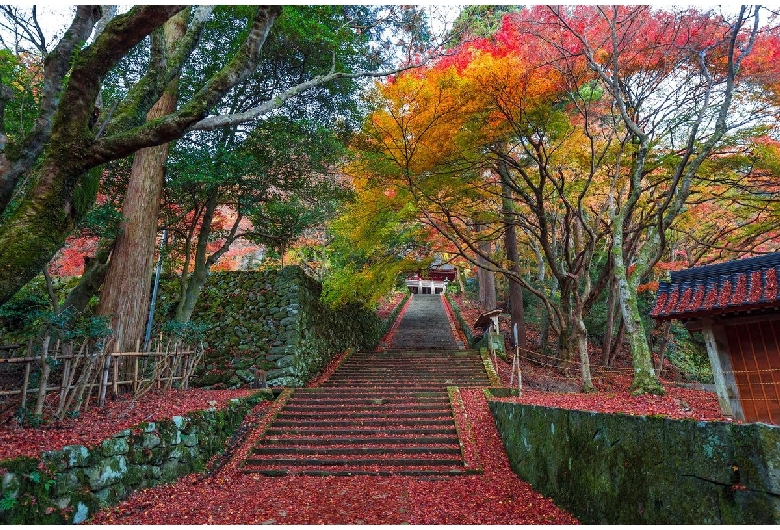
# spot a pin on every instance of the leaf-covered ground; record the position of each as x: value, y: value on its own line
x: 548, y: 386
x: 230, y: 497
x: 97, y: 424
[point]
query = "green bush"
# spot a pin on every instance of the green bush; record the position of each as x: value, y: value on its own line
x: 689, y: 354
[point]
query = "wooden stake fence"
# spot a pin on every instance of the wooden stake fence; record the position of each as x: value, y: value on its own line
x: 141, y: 371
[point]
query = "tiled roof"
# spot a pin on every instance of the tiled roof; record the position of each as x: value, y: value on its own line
x: 729, y: 287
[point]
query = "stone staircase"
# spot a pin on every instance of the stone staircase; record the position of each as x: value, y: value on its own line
x: 378, y: 414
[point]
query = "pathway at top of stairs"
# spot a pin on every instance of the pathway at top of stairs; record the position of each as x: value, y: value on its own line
x: 380, y: 413
x: 424, y: 326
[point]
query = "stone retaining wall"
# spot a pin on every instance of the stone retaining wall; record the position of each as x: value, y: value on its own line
x: 274, y: 320
x: 620, y: 469
x: 70, y: 484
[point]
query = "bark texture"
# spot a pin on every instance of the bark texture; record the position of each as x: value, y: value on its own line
x: 125, y: 296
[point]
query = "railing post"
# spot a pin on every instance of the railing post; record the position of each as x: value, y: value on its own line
x: 115, y: 388
x: 26, y: 383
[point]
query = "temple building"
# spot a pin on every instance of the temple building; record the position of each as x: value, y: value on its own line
x: 736, y: 306
x: 434, y: 280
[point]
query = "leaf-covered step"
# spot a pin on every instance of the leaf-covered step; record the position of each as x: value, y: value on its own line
x: 276, y: 430
x: 357, y: 461
x: 384, y: 471
x: 368, y: 440
x: 367, y: 407
x: 358, y: 422
x: 386, y: 413
x: 323, y: 451
x: 375, y: 401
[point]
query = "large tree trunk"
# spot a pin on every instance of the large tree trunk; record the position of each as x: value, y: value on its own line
x: 125, y: 296
x: 512, y: 254
x: 487, y: 278
x: 59, y: 197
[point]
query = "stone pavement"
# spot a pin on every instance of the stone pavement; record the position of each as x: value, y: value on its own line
x: 424, y: 326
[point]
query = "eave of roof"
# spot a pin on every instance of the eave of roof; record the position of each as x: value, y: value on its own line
x: 732, y: 287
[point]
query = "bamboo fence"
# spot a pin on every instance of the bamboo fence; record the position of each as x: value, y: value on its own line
x: 92, y: 371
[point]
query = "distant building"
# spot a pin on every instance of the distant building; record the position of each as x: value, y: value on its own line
x: 736, y: 306
x: 431, y: 281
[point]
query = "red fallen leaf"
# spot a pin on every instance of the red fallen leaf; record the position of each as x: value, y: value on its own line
x: 98, y: 424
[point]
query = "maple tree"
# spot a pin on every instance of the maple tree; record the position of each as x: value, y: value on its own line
x: 596, y: 122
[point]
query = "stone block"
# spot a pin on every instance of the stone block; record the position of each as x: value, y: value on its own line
x: 111, y: 471
x: 77, y: 455
x: 117, y: 445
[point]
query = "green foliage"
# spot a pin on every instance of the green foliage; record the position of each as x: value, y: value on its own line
x: 481, y: 21
x: 689, y: 354
x: 22, y: 79
x: 190, y: 332
x: 22, y: 316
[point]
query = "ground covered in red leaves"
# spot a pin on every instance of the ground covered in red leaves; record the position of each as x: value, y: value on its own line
x: 226, y: 495
x: 613, y: 394
x: 230, y: 497
x: 97, y: 424
x: 549, y: 386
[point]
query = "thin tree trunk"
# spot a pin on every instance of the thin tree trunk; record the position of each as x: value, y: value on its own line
x: 618, y: 343
x: 645, y: 380
x: 195, y: 281
x: 609, y: 327
x: 581, y: 339
x: 125, y: 297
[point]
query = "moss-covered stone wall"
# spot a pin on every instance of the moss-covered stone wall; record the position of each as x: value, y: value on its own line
x: 464, y: 326
x: 69, y: 485
x: 274, y: 320
x: 620, y: 469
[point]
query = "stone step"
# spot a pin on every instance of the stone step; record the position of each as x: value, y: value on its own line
x: 401, y: 383
x: 292, y: 415
x: 357, y: 461
x: 294, y: 430
x: 333, y: 424
x: 419, y: 390
x: 348, y: 471
x: 353, y: 450
x: 325, y: 400
x: 367, y: 440
x: 347, y: 408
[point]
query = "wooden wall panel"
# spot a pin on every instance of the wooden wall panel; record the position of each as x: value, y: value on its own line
x: 755, y: 356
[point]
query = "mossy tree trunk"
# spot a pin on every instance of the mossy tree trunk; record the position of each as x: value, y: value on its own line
x: 37, y: 229
x: 125, y: 294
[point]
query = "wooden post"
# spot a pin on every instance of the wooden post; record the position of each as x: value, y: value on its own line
x: 115, y: 386
x: 104, y: 381
x: 26, y: 383
x: 135, y: 374
x: 714, y: 354
x: 43, y: 382
x: 65, y: 379
x: 185, y: 372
